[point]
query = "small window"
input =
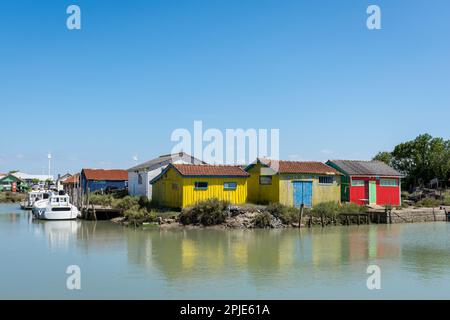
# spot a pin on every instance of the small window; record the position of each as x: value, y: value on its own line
x: 265, y: 180
x: 139, y: 178
x: 358, y: 183
x: 200, y: 185
x: 326, y: 180
x: 230, y: 186
x: 388, y: 183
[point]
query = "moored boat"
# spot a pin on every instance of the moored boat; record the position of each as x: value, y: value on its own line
x: 56, y: 207
x: 34, y: 196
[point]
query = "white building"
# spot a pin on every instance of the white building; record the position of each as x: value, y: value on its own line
x: 30, y: 178
x: 139, y: 176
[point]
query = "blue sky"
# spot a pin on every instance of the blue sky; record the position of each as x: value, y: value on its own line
x: 137, y: 70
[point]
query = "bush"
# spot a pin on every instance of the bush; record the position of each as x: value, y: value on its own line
x: 101, y: 200
x: 137, y: 213
x: 263, y: 220
x: 286, y: 214
x: 428, y: 202
x: 208, y: 213
x: 349, y: 207
x: 11, y: 197
x: 126, y: 203
x: 326, y: 209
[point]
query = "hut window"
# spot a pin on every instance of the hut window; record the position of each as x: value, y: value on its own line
x: 265, y: 180
x: 326, y: 180
x: 139, y: 178
x: 388, y: 183
x: 201, y: 185
x: 230, y: 186
x: 358, y: 183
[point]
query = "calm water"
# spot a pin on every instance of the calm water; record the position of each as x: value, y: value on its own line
x: 124, y: 263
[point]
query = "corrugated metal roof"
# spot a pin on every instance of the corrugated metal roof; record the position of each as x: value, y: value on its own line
x: 105, y: 175
x: 369, y: 168
x: 282, y: 166
x: 165, y: 160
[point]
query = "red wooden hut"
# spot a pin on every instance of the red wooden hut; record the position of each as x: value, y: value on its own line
x: 368, y: 182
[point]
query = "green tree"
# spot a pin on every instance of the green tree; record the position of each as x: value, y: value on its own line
x: 421, y: 159
x: 384, y: 156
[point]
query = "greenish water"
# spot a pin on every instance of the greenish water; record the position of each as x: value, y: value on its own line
x: 124, y: 263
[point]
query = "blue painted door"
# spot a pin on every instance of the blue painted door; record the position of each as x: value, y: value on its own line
x: 303, y: 193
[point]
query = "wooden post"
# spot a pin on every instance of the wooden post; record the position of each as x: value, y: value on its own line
x: 434, y: 215
x: 358, y: 219
x: 301, y: 216
x: 310, y: 221
x: 321, y: 220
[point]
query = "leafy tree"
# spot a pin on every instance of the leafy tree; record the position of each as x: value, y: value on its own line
x: 421, y: 159
x: 384, y: 156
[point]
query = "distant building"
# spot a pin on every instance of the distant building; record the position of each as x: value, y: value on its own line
x: 10, y: 182
x: 368, y: 182
x: 99, y: 179
x: 139, y: 176
x: 60, y: 180
x: 182, y: 185
x: 32, y: 179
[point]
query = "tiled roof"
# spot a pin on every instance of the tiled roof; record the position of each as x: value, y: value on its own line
x: 165, y: 160
x: 105, y: 175
x: 73, y: 179
x: 210, y: 170
x: 369, y: 168
x: 281, y: 166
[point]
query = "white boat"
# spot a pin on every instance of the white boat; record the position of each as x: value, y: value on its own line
x: 34, y: 196
x: 56, y: 207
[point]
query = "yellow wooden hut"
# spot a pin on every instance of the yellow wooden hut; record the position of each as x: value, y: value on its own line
x: 182, y: 185
x: 292, y: 183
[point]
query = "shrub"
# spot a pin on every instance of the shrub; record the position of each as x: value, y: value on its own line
x: 327, y: 209
x: 349, y: 207
x: 137, y: 213
x: 208, y: 213
x: 428, y: 202
x: 11, y: 197
x: 286, y: 214
x: 101, y: 200
x: 126, y: 203
x: 263, y: 220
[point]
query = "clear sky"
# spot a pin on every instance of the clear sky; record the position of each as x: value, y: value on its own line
x: 137, y: 70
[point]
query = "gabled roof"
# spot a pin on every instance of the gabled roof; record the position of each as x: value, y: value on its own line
x: 72, y: 180
x: 282, y: 166
x: 365, y: 168
x: 10, y: 175
x: 204, y: 170
x: 105, y: 175
x: 164, y: 160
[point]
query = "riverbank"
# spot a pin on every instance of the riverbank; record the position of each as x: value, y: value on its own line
x: 279, y: 217
x: 12, y: 197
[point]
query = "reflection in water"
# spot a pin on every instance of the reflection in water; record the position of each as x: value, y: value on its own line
x: 60, y: 234
x: 207, y: 263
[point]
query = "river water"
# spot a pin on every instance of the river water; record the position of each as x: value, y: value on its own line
x: 125, y: 263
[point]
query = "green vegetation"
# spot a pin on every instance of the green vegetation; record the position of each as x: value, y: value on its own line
x: 263, y: 220
x: 208, y: 213
x: 421, y: 159
x: 331, y: 209
x: 124, y: 203
x: 428, y: 202
x: 11, y: 197
x: 286, y: 214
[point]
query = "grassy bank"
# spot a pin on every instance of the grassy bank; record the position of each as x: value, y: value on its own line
x: 136, y: 210
x: 11, y: 197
